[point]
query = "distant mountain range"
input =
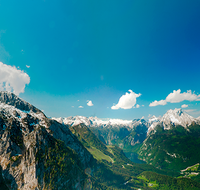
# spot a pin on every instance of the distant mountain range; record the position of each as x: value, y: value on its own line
x: 79, y: 153
x: 96, y: 122
x: 172, y: 117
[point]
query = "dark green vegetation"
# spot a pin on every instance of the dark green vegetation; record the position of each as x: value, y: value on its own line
x: 164, y: 182
x: 173, y: 149
x: 115, y: 171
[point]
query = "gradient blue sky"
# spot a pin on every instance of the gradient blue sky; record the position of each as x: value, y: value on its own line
x: 98, y: 50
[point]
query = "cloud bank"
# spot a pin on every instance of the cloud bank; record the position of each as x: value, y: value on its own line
x: 127, y: 101
x: 90, y: 103
x: 12, y: 79
x: 176, y: 97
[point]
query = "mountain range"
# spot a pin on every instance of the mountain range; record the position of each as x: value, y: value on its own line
x: 39, y: 153
x: 172, y: 117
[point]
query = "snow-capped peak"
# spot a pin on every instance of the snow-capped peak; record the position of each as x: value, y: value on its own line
x: 73, y: 120
x: 176, y: 117
x: 173, y: 118
x: 15, y: 107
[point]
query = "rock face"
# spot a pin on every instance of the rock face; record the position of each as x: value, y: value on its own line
x: 37, y: 152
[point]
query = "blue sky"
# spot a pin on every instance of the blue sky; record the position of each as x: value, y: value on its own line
x: 97, y: 51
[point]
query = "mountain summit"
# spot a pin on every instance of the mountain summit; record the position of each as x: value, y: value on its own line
x: 173, y: 118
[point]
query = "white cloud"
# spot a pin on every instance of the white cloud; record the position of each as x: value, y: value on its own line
x: 72, y: 106
x: 184, y: 106
x: 190, y: 110
x: 176, y: 96
x: 126, y: 101
x: 78, y: 100
x: 80, y: 107
x: 149, y: 115
x: 28, y: 66
x: 142, y: 117
x: 90, y: 103
x: 12, y: 79
x: 137, y: 106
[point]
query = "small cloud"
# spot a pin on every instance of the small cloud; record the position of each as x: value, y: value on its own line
x: 137, y: 106
x: 77, y: 100
x: 149, y: 115
x: 184, y: 106
x: 126, y: 101
x: 142, y: 105
x: 142, y: 117
x: 90, y: 103
x: 28, y: 66
x: 176, y: 96
x: 72, y: 106
x: 80, y: 107
x: 13, y: 79
x: 156, y: 103
x: 194, y: 112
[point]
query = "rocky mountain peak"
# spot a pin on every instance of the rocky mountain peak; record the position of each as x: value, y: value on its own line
x: 176, y: 111
x: 176, y: 117
x: 26, y: 135
x: 11, y: 99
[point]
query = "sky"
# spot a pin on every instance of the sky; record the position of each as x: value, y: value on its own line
x: 111, y: 59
